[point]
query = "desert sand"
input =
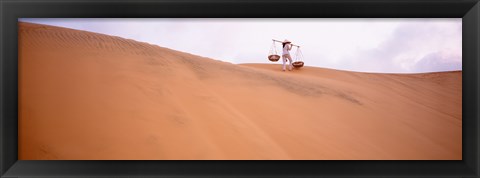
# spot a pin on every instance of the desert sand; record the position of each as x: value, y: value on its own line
x: 89, y: 96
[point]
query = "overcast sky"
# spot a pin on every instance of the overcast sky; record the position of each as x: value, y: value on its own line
x: 365, y: 45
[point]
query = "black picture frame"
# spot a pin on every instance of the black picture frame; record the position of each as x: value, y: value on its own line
x: 10, y: 11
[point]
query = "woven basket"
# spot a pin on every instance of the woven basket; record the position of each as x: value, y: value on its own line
x: 297, y: 64
x: 273, y: 57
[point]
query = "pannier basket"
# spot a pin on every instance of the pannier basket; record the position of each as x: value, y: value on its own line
x: 297, y: 64
x: 273, y: 57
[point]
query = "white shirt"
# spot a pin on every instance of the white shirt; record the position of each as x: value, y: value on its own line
x: 287, y: 48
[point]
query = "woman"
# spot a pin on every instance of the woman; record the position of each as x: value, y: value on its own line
x: 287, y: 46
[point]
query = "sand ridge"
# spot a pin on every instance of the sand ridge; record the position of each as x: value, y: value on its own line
x: 85, y: 95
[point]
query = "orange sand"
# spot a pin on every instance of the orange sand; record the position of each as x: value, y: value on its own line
x: 88, y: 96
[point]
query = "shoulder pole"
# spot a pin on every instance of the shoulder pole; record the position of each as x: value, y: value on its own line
x: 281, y: 42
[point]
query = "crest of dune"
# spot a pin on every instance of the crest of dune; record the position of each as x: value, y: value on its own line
x: 89, y: 96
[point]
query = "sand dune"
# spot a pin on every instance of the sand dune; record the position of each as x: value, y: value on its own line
x: 84, y: 95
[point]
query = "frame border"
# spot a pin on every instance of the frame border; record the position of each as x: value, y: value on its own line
x: 10, y: 11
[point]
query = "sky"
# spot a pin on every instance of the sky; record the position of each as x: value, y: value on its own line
x: 380, y: 45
